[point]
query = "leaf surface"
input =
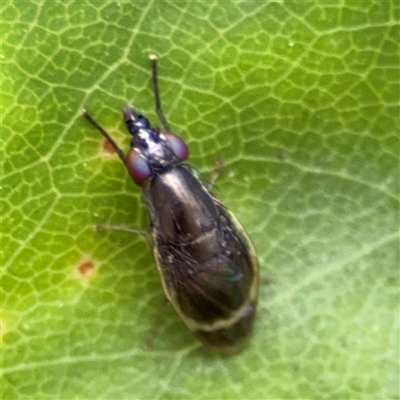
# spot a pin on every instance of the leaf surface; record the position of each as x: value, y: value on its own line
x: 300, y: 100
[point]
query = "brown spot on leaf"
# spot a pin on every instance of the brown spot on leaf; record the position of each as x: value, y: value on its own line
x: 86, y: 269
x: 108, y: 147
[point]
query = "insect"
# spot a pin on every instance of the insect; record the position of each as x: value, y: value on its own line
x: 207, y: 263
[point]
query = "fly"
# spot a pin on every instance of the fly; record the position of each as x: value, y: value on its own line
x: 207, y: 263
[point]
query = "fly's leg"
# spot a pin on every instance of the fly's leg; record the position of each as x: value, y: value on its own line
x: 219, y: 165
x: 124, y: 228
x: 106, y: 135
x: 122, y: 156
x: 156, y: 90
x: 215, y: 175
x: 153, y: 330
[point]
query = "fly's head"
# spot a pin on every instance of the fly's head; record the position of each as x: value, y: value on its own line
x: 151, y: 152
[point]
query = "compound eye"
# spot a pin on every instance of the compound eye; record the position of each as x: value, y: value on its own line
x: 178, y: 146
x: 138, y: 167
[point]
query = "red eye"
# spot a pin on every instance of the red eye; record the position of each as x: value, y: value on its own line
x: 138, y: 167
x: 178, y: 146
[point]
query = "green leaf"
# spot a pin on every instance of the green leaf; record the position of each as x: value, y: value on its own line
x: 301, y: 102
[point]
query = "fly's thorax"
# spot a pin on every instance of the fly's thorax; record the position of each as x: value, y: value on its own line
x: 180, y: 207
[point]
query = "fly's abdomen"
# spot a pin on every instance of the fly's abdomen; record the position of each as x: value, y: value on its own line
x: 231, y: 335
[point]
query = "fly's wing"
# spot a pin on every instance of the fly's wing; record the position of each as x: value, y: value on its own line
x: 220, y: 284
x: 215, y: 291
